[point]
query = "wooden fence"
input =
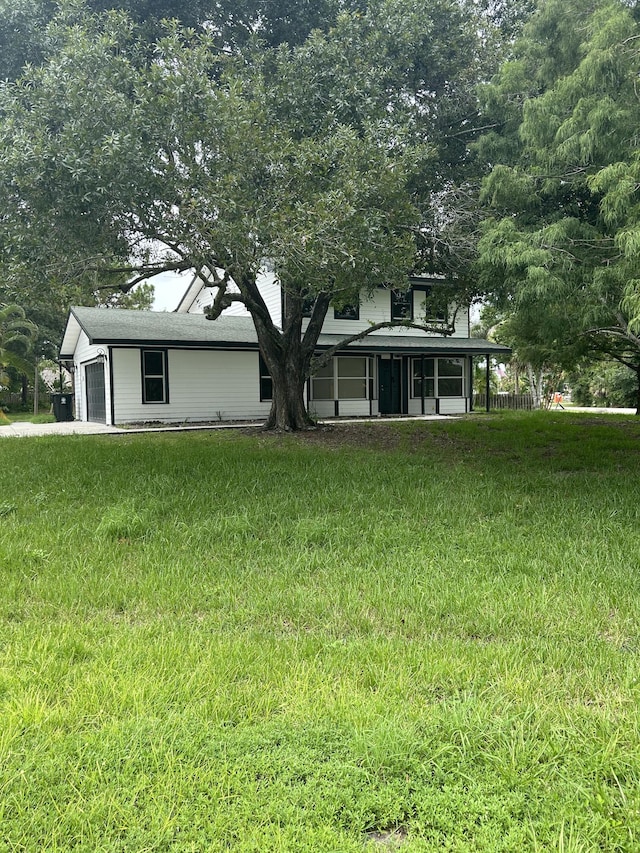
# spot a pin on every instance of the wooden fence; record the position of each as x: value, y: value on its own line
x: 14, y: 400
x: 503, y: 401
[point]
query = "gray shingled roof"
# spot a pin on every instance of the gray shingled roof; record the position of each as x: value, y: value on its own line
x: 120, y: 327
x: 117, y: 325
x: 413, y: 343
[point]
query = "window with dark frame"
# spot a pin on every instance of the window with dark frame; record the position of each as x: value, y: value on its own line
x: 308, y: 303
x: 155, y: 381
x: 450, y: 377
x: 441, y: 316
x: 307, y: 306
x: 347, y: 312
x: 423, y: 377
x: 402, y: 304
x: 350, y: 376
x: 266, y: 382
x: 322, y: 384
x: 437, y: 377
x: 434, y: 313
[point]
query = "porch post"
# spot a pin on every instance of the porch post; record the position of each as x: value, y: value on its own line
x: 488, y: 385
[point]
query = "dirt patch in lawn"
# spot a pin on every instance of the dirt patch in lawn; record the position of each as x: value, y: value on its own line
x: 411, y: 436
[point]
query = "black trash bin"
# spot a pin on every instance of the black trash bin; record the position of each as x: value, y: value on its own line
x: 62, y: 406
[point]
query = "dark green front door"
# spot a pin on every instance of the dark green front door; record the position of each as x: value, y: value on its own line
x: 389, y: 386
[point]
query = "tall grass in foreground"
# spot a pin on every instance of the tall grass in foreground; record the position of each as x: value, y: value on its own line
x: 420, y: 636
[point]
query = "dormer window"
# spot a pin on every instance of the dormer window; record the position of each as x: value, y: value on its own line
x: 402, y: 304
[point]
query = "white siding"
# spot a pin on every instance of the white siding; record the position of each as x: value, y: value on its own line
x: 322, y: 408
x: 461, y: 322
x: 205, y: 299
x: 269, y: 290
x: 204, y: 385
x: 346, y: 408
x: 446, y: 406
x: 353, y: 408
x: 415, y: 406
x: 377, y: 309
x: 453, y: 405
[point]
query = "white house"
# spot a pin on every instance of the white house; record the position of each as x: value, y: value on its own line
x: 177, y: 367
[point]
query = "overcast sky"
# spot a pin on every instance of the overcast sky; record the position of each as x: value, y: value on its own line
x: 169, y: 287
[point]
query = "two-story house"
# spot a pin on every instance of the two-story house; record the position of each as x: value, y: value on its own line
x: 177, y: 367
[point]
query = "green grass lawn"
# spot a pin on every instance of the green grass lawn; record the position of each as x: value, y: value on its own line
x: 22, y: 417
x: 416, y: 637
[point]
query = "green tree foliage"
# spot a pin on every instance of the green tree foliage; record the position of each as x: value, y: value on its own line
x: 538, y: 356
x: 118, y: 161
x: 603, y: 383
x: 17, y: 335
x: 562, y: 250
x: 232, y: 23
x: 22, y: 27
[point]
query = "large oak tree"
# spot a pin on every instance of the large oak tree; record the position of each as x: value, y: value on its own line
x: 25, y: 39
x: 121, y: 160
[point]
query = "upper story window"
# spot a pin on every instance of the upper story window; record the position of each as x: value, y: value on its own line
x: 402, y: 304
x: 307, y: 306
x: 434, y: 306
x: 347, y: 312
x: 308, y: 302
x: 155, y: 377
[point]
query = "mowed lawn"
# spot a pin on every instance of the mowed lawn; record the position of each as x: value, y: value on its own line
x: 414, y: 637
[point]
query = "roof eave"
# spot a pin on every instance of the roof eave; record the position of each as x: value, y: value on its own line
x: 70, y: 337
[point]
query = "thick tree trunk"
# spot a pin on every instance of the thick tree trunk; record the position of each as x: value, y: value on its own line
x: 288, y: 409
x: 637, y: 392
x: 288, y: 364
x: 287, y: 351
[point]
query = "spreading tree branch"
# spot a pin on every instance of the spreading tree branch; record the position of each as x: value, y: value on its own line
x: 328, y: 354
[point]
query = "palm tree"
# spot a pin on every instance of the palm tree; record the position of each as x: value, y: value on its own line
x: 17, y: 335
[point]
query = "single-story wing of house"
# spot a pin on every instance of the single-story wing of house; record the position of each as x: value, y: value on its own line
x: 179, y: 367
